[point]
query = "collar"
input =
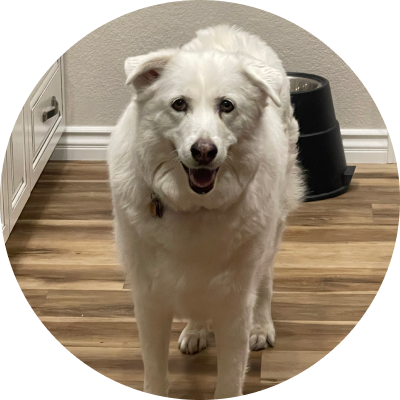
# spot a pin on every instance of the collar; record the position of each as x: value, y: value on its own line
x: 156, y: 206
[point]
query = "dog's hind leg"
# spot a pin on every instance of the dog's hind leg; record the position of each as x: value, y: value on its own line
x: 193, y: 338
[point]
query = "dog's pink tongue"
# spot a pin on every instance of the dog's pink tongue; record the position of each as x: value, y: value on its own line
x: 202, y: 177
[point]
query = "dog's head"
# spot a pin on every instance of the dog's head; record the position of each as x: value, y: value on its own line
x: 200, y: 123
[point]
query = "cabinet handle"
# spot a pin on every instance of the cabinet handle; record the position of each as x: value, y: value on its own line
x: 52, y: 112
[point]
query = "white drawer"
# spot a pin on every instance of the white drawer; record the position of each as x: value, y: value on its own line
x: 46, y: 112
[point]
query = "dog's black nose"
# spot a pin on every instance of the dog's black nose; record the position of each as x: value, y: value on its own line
x: 204, y: 151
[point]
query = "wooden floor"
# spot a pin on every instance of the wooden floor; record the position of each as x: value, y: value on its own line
x: 332, y: 261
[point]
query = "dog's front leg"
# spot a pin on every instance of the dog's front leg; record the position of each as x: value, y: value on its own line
x: 154, y: 324
x: 232, y: 339
x: 263, y: 331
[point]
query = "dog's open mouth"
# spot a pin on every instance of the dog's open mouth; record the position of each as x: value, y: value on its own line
x: 201, y: 180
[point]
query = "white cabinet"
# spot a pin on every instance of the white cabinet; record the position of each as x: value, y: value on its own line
x: 4, y: 214
x: 45, y: 119
x: 17, y: 170
x: 34, y: 137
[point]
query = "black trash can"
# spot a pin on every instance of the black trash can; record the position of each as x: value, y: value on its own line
x: 320, y: 143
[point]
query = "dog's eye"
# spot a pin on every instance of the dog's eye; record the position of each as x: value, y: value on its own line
x: 179, y: 105
x: 226, y: 106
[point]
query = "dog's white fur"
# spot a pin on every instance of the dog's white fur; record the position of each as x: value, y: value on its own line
x: 209, y: 258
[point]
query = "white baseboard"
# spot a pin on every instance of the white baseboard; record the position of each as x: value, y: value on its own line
x: 391, y: 156
x: 90, y: 143
x: 79, y: 143
x: 365, y: 145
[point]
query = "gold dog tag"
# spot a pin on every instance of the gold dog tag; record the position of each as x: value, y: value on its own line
x: 156, y: 207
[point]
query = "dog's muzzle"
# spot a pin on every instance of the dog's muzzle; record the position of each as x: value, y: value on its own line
x: 201, y: 180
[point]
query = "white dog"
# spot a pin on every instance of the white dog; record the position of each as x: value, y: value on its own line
x: 203, y: 174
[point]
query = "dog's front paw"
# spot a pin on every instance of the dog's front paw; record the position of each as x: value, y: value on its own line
x: 192, y: 340
x: 262, y: 337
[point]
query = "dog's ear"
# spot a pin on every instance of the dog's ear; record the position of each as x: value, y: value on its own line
x: 268, y: 79
x: 142, y: 71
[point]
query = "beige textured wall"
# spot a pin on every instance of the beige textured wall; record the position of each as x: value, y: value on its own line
x: 95, y: 90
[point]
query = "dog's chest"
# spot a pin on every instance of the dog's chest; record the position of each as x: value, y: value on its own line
x: 203, y: 234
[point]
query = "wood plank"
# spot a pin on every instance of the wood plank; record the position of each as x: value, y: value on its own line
x: 328, y: 279
x: 385, y: 214
x: 320, y: 306
x: 279, y: 366
x: 69, y: 276
x: 35, y: 297
x: 340, y: 233
x: 370, y: 171
x: 366, y: 254
x: 69, y: 201
x: 378, y: 182
x: 310, y: 335
x: 321, y: 213
x: 62, y: 242
x: 94, y: 334
x: 361, y: 195
x: 88, y: 303
x: 75, y: 170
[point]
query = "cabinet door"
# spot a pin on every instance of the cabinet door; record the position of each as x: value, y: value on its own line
x: 4, y: 214
x: 45, y: 119
x: 18, y: 170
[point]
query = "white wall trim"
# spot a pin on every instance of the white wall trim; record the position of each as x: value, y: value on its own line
x: 90, y: 143
x: 83, y: 143
x: 365, y: 145
x: 391, y: 156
